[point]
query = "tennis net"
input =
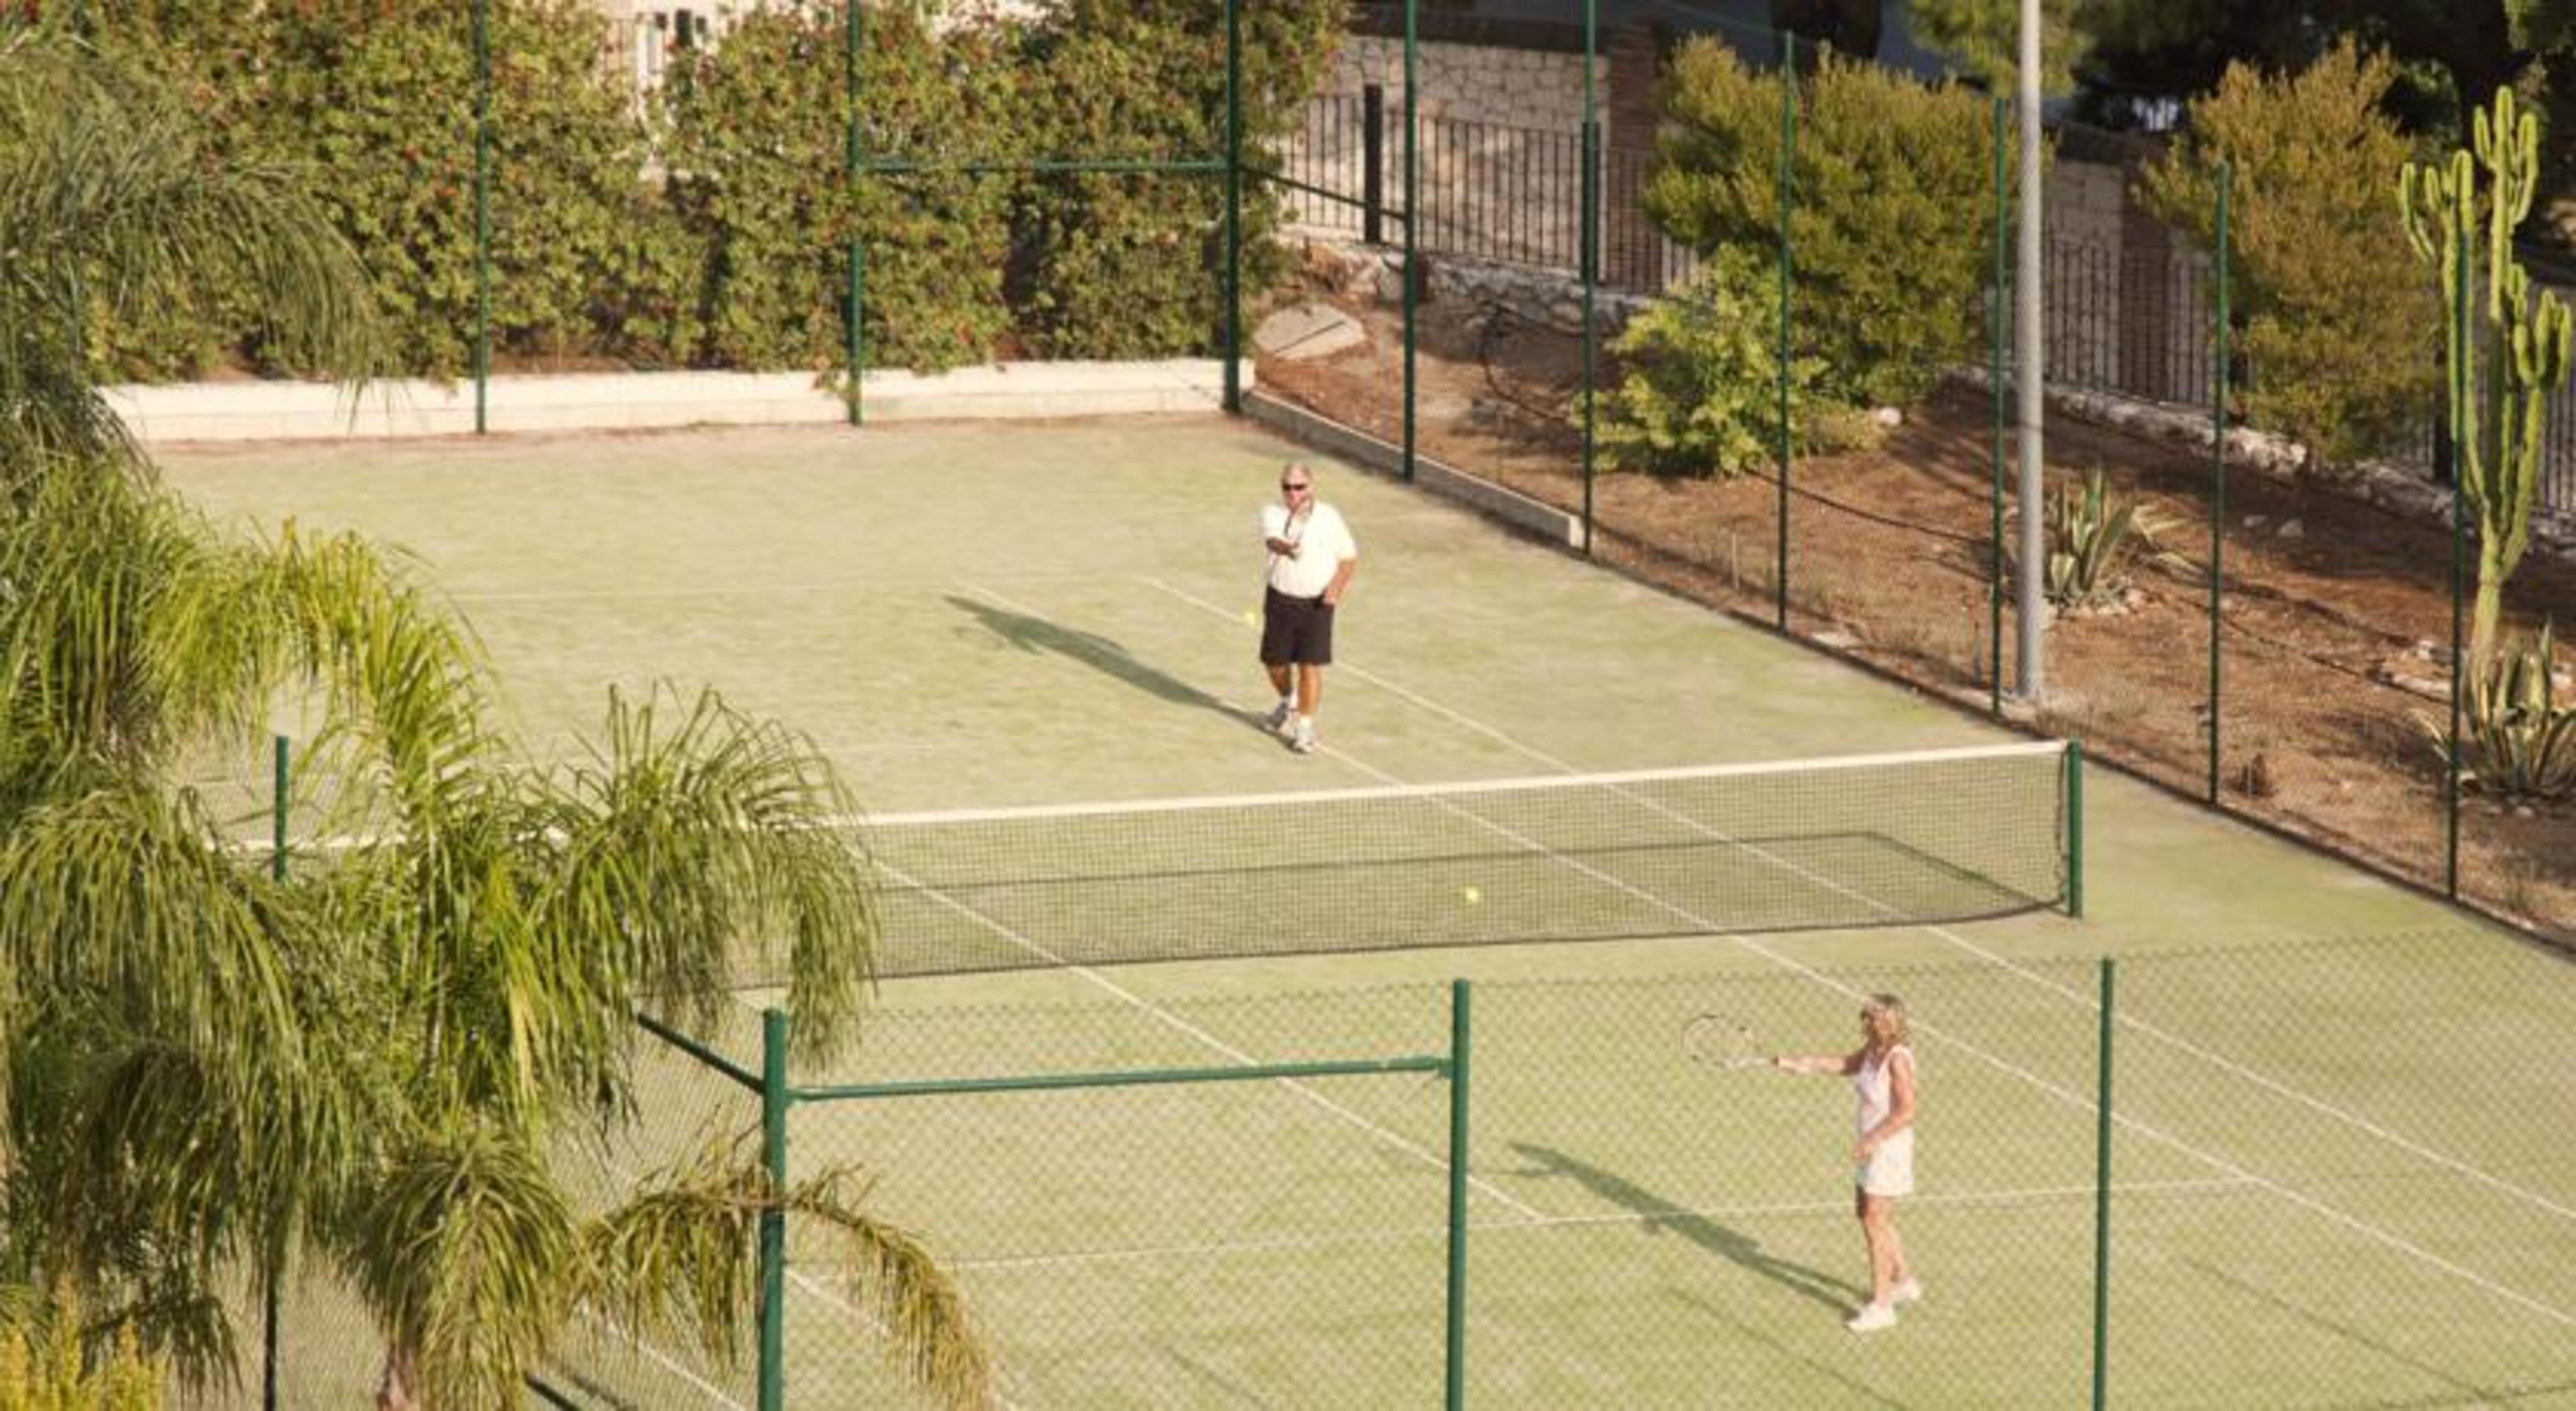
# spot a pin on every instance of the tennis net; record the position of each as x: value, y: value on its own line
x: 1855, y: 841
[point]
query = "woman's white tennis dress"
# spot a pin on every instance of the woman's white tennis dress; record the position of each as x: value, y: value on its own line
x: 1890, y: 1169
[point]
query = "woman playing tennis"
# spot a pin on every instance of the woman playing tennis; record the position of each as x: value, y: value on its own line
x: 1882, y: 1075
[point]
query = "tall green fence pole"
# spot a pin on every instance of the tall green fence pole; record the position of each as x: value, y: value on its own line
x: 1591, y: 256
x: 773, y: 1222
x: 2461, y: 391
x: 851, y: 160
x: 1455, y: 1380
x: 482, y: 214
x: 1233, y: 204
x: 274, y: 1277
x: 1412, y: 215
x: 1997, y: 332
x: 2218, y: 479
x: 2075, y: 829
x: 1785, y: 181
x: 2102, y: 1201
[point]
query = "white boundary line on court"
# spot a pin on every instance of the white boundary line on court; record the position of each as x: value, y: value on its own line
x: 1175, y: 1021
x: 1837, y: 1208
x: 2212, y: 1159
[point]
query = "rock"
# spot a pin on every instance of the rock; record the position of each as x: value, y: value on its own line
x: 1310, y: 330
x: 2255, y: 521
x: 1889, y: 418
x: 2293, y: 529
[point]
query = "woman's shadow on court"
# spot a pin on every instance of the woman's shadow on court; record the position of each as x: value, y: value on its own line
x: 1662, y: 1217
x: 1105, y: 655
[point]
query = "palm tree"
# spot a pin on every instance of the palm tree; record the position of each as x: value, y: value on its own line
x: 376, y: 1062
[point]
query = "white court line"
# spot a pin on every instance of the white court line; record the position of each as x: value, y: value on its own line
x: 2210, y: 1158
x: 1840, y: 1209
x: 1175, y: 1021
x: 2221, y: 1061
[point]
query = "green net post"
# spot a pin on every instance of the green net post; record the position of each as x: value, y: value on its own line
x: 1412, y: 217
x: 1590, y: 259
x: 773, y: 1221
x: 851, y: 157
x: 1998, y: 329
x: 2075, y: 829
x: 274, y: 1275
x: 1785, y: 182
x: 482, y: 214
x: 1454, y: 1380
x: 1233, y: 204
x: 2102, y: 1197
x: 2218, y: 476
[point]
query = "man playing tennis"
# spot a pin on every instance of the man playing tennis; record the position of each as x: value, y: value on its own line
x: 1882, y: 1075
x: 1312, y: 557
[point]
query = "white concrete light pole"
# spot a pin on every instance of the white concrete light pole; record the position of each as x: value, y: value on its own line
x: 2030, y: 375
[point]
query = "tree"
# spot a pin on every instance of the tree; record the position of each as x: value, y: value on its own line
x: 1984, y: 36
x: 2339, y: 327
x: 1892, y: 190
x: 374, y: 1061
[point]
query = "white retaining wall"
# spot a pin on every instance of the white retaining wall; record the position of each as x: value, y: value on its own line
x: 263, y: 411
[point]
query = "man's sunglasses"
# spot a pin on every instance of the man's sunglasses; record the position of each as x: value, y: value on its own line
x: 1294, y: 485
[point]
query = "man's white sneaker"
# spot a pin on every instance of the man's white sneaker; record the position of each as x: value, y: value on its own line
x: 1280, y: 718
x: 1303, y: 742
x: 1871, y: 1318
x: 1910, y: 1291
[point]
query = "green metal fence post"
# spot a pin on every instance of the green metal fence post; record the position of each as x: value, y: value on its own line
x: 1455, y: 1381
x: 275, y: 1275
x: 1233, y: 204
x: 851, y: 158
x: 1591, y: 254
x: 2102, y: 1199
x: 2218, y: 480
x: 774, y: 1102
x: 482, y: 214
x: 1999, y: 330
x: 1412, y: 216
x: 2075, y: 829
x: 1785, y: 184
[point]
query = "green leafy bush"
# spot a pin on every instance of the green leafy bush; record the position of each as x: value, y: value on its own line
x: 758, y: 152
x: 1888, y: 222
x: 1700, y: 393
x: 2518, y: 739
x: 1116, y: 265
x: 2341, y: 328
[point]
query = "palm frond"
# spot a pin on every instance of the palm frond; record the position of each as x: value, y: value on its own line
x: 692, y: 848
x: 466, y: 1251
x: 680, y: 1256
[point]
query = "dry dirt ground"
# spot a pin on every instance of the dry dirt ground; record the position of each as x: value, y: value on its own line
x: 2336, y: 614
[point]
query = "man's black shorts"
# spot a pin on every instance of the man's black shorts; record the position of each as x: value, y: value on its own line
x: 1295, y: 631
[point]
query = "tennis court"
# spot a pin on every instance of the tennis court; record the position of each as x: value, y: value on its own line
x: 2339, y: 1166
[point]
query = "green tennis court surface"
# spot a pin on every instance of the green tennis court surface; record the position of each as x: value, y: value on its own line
x: 2340, y: 1174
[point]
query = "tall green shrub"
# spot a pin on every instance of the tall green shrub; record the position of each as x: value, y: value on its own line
x: 1889, y: 221
x: 757, y: 134
x: 1699, y: 391
x: 1118, y: 265
x: 2341, y: 330
x: 380, y: 94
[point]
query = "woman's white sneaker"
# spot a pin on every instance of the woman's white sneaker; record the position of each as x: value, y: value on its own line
x: 1871, y: 1318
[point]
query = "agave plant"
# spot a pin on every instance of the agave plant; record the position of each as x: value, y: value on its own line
x: 2095, y: 536
x: 2518, y: 740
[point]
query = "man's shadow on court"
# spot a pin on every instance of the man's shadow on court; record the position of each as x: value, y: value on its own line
x: 1662, y: 1216
x: 1102, y: 654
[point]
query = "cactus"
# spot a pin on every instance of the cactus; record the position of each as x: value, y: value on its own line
x: 2510, y: 351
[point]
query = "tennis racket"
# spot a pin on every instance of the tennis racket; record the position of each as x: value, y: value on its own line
x: 1718, y: 1041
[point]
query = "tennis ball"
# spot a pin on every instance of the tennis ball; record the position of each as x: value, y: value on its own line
x: 1470, y: 895
x: 1251, y: 618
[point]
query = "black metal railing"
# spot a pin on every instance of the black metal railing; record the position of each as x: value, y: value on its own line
x: 2132, y: 323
